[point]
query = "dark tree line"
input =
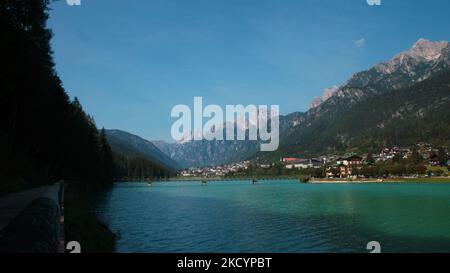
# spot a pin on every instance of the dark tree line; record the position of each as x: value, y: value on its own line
x: 44, y: 136
x: 137, y: 168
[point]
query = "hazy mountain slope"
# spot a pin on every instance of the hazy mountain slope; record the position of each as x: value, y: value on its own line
x: 205, y: 153
x: 200, y: 153
x: 131, y: 145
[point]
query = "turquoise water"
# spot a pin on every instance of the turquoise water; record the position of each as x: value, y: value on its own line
x: 277, y: 216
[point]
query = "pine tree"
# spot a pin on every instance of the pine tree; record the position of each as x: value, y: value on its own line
x: 442, y: 155
x: 107, y: 158
x: 416, y: 158
x: 370, y: 160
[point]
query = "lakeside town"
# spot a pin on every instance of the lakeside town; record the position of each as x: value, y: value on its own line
x: 420, y: 160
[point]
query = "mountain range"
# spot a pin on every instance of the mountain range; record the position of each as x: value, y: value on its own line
x: 398, y: 102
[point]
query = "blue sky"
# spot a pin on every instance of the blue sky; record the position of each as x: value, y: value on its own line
x: 130, y: 61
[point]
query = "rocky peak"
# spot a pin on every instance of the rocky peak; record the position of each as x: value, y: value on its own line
x: 422, y: 52
x: 424, y: 59
x: 427, y: 49
x: 327, y: 93
x: 316, y: 102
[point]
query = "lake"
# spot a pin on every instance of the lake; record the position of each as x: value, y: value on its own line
x: 277, y: 216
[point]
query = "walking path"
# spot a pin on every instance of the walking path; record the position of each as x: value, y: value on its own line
x: 13, y: 204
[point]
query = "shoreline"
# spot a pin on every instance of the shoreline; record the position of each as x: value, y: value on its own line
x: 387, y: 180
x: 312, y: 181
x: 82, y: 224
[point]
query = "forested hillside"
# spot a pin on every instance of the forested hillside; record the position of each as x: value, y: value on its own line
x: 401, y: 117
x: 44, y: 136
x: 398, y: 117
x: 137, y: 158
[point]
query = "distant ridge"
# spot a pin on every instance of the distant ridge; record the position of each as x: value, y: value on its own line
x: 128, y: 144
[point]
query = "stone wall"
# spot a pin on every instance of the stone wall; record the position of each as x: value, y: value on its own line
x: 36, y: 229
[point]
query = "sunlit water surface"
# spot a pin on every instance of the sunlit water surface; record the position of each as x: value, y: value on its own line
x: 277, y: 216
